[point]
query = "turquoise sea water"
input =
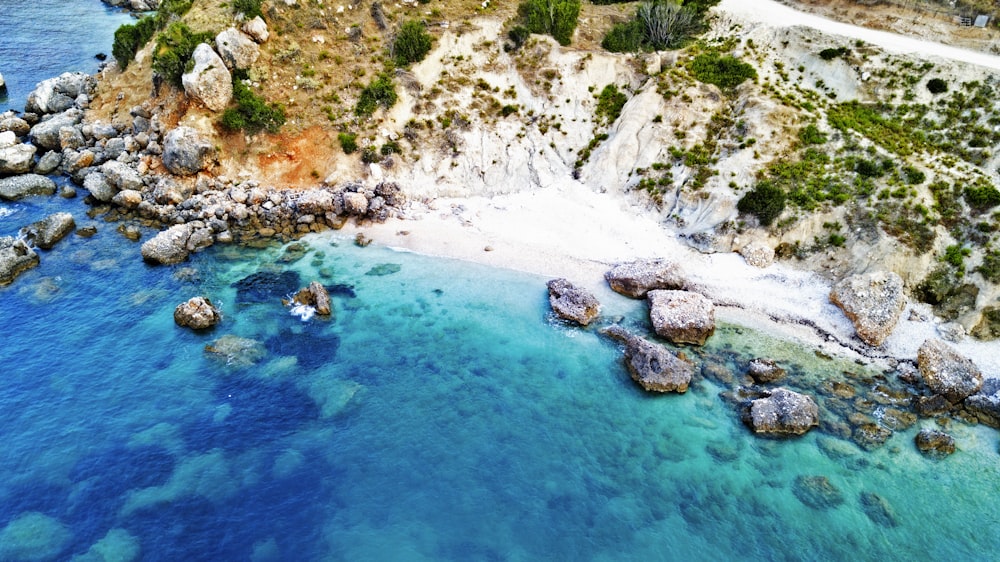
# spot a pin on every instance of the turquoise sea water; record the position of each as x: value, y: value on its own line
x: 441, y: 415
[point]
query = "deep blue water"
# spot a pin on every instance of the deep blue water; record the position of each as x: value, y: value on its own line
x: 441, y: 415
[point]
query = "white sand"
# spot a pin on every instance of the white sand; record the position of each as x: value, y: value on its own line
x: 567, y: 230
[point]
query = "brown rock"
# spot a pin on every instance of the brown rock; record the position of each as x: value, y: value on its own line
x: 946, y: 372
x: 764, y: 371
x: 197, y: 313
x: 934, y: 443
x: 637, y: 278
x: 782, y: 412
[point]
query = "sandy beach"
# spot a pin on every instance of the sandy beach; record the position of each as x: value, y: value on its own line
x: 567, y: 230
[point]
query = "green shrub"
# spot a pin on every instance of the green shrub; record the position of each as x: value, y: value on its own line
x: 830, y: 54
x: 810, y: 134
x: 249, y: 8
x: 508, y: 109
x: 982, y: 196
x: 627, y: 37
x: 725, y: 71
x: 381, y: 92
x: 174, y: 48
x: 391, y: 147
x: 766, y: 202
x: 130, y: 38
x: 252, y: 113
x: 412, y: 43
x: 867, y: 169
x: 518, y: 36
x: 609, y: 104
x: 370, y: 156
x: 990, y: 268
x: 913, y: 176
x: 557, y: 18
x: 348, y: 142
x: 955, y: 255
x: 937, y: 86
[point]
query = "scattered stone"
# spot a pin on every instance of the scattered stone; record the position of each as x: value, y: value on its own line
x: 873, y: 302
x: 130, y: 231
x: 681, y: 316
x: 570, y: 302
x: 817, y: 492
x: 208, y: 81
x: 763, y: 371
x: 758, y: 254
x: 99, y: 187
x: 257, y: 29
x: 197, y: 313
x: 355, y: 203
x: 185, y: 152
x: 46, y: 232
x: 946, y: 372
x: 48, y: 163
x: 878, y: 509
x: 17, y: 187
x: 935, y: 443
x: 782, y: 412
x: 174, y: 244
x: 637, y: 278
x: 237, y: 49
x: 87, y: 231
x: 46, y: 133
x: 16, y: 257
x: 316, y: 296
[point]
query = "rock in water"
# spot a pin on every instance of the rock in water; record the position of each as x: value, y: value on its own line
x: 197, y: 313
x: 946, y: 372
x: 185, y: 152
x: 266, y: 286
x: 783, y: 412
x: 817, y: 492
x: 764, y: 370
x: 15, y: 258
x: 873, y: 302
x: 653, y: 366
x: 681, y: 316
x: 208, y: 81
x: 16, y: 158
x: 236, y: 49
x: 637, y: 278
x: 934, y: 443
x: 316, y: 296
x: 169, y: 246
x: 573, y: 303
x: 878, y: 510
x: 53, y: 228
x: 17, y: 187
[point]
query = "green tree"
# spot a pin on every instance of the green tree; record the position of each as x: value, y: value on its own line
x: 766, y: 202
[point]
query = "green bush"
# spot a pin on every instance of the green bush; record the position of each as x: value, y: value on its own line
x: 518, y: 36
x: 130, y: 38
x: 658, y: 25
x: 982, y: 196
x: 609, y: 104
x: 348, y: 142
x: 913, y: 176
x: 391, y: 147
x: 249, y: 8
x: 810, y: 134
x: 766, y: 202
x: 252, y: 113
x: 412, y: 43
x: 627, y: 37
x: 370, y: 156
x: 380, y: 92
x: 990, y: 268
x: 557, y: 18
x: 725, y: 71
x: 937, y: 86
x: 174, y: 48
x: 830, y: 54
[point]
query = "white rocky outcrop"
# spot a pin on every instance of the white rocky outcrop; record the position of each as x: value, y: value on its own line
x: 236, y: 49
x: 257, y: 29
x: 209, y: 81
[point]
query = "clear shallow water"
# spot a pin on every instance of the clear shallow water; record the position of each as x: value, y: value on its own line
x: 441, y: 415
x: 40, y: 39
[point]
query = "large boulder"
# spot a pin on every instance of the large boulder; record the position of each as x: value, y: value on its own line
x: 50, y: 230
x: 208, y: 81
x: 312, y: 202
x: 197, y: 313
x: 121, y: 176
x: 15, y: 258
x: 14, y: 124
x: 174, y: 244
x: 257, y: 29
x: 782, y: 412
x: 99, y: 187
x: 757, y: 254
x: 17, y: 187
x: 873, y: 302
x: 653, y: 366
x: 355, y: 203
x: 46, y: 134
x: 185, y: 151
x: 935, y: 443
x: 946, y: 372
x: 681, y: 316
x: 58, y: 94
x: 573, y: 303
x: 16, y: 158
x: 635, y: 279
x: 237, y: 49
x: 764, y: 370
x: 316, y: 296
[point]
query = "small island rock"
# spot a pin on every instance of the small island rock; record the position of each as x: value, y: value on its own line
x: 316, y: 296
x: 573, y: 303
x: 946, y: 372
x: 653, y: 366
x: 53, y: 228
x: 15, y: 258
x: 873, y: 302
x: 635, y: 279
x: 764, y: 370
x: 782, y: 412
x: 681, y: 316
x: 197, y: 313
x: 934, y: 443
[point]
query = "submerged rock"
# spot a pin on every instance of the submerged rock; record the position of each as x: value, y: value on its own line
x: 878, y: 509
x: 934, y: 443
x: 870, y: 436
x: 817, y: 492
x: 570, y: 302
x: 653, y: 366
x: 236, y: 351
x: 197, y: 313
x: 16, y: 257
x: 33, y: 536
x: 266, y: 286
x: 873, y: 302
x: 764, y: 370
x: 637, y: 278
x: 18, y: 187
x: 53, y: 228
x: 946, y: 372
x: 681, y: 316
x: 782, y: 412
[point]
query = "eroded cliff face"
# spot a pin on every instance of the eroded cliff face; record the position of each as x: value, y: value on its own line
x: 477, y: 118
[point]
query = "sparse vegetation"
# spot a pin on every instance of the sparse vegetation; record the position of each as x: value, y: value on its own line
x: 609, y: 104
x: 348, y: 142
x: 249, y: 8
x: 252, y: 113
x: 725, y: 71
x: 832, y: 53
x: 810, y: 134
